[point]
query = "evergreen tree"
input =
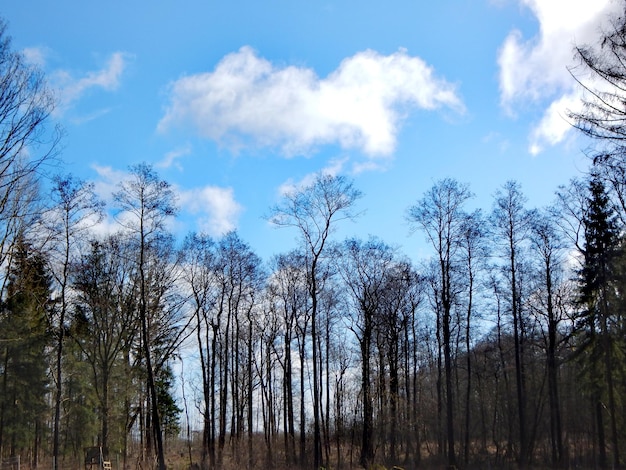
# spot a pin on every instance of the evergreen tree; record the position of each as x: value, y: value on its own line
x: 24, y: 339
x: 598, y: 299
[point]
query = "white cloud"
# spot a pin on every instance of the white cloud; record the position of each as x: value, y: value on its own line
x: 35, y: 55
x: 171, y: 158
x: 555, y: 125
x: 536, y: 69
x: 247, y: 100
x: 107, y: 182
x: 72, y: 89
x: 215, y: 208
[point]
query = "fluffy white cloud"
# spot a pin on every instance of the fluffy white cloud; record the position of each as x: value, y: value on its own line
x: 247, y: 100
x: 536, y: 69
x: 108, y: 78
x: 554, y: 125
x: 214, y: 208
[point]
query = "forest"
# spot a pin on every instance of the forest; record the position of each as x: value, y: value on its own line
x: 505, y: 348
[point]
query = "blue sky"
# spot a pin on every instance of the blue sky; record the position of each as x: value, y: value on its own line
x: 234, y: 101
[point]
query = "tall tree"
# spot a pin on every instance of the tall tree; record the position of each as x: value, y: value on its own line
x: 440, y: 215
x: 105, y: 323
x: 27, y: 139
x: 145, y: 203
x: 75, y: 209
x: 549, y: 247
x: 598, y: 295
x: 238, y: 277
x: 473, y: 254
x: 364, y: 267
x: 287, y: 293
x: 314, y: 209
x: 511, y: 224
x: 24, y: 339
x: 199, y: 259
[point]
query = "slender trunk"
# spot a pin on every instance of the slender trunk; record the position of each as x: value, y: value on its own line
x: 212, y: 460
x: 449, y: 397
x: 143, y: 314
x: 607, y: 349
x: 302, y: 347
x: 468, y: 390
x: 602, y: 461
x: 59, y: 359
x: 553, y: 393
x: 3, y: 397
x: 225, y: 361
x: 519, y: 376
x: 250, y: 389
x: 440, y: 432
x: 105, y: 408
x: 206, y: 436
x: 446, y: 302
x: 59, y: 387
x: 415, y: 414
x: 367, y: 451
x: 289, y: 428
x: 327, y: 427
x: 393, y: 397
x: 317, y: 449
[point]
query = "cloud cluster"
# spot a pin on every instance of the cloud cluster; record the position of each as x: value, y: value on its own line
x: 247, y: 100
x: 71, y: 89
x: 215, y: 209
x: 536, y: 69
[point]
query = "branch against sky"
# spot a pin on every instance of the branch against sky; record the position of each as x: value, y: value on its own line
x: 315, y: 209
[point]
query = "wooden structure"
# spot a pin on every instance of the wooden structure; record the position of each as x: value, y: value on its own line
x: 97, y: 457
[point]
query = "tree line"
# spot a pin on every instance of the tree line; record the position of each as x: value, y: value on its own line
x: 505, y: 347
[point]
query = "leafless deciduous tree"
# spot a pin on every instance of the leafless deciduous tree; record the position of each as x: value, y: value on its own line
x: 75, y: 209
x: 27, y: 141
x: 440, y: 215
x: 314, y: 209
x: 145, y: 203
x: 511, y: 223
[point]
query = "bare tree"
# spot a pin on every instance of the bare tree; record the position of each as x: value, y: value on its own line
x: 199, y: 256
x: 314, y: 210
x: 104, y: 317
x: 27, y: 142
x: 440, y: 215
x: 287, y: 293
x: 511, y: 224
x: 364, y: 267
x: 75, y: 210
x: 549, y: 248
x: 474, y: 253
x: 145, y: 203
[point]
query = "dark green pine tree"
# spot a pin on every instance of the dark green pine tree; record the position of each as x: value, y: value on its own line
x: 598, y: 278
x: 23, y: 342
x: 168, y: 409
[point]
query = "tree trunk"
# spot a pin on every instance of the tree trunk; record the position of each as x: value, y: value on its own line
x: 367, y: 451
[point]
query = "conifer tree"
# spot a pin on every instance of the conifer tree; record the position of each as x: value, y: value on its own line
x: 597, y: 296
x: 24, y: 339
